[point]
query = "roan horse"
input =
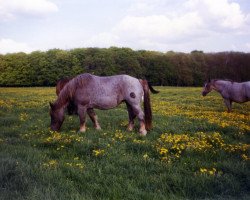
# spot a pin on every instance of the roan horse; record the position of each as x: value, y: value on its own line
x: 71, y: 108
x: 87, y: 92
x: 229, y: 90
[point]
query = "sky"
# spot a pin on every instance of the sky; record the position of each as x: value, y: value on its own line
x: 157, y: 25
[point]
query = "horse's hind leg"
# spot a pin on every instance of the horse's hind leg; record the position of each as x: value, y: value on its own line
x: 82, y: 116
x: 138, y: 112
x: 228, y: 103
x: 131, y: 116
x: 93, y: 118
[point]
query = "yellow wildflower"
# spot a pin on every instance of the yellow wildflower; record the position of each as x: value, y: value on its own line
x: 145, y: 156
x: 98, y: 152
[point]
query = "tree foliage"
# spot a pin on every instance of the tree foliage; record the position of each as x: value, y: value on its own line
x: 171, y: 68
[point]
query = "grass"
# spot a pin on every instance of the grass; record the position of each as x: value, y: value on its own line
x: 196, y: 150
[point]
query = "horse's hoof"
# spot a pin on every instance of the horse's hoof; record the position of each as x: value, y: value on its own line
x: 98, y: 128
x: 143, y: 133
x: 130, y: 129
x: 82, y: 130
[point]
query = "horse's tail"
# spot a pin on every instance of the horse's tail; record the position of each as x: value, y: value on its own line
x: 147, y: 104
x: 152, y: 89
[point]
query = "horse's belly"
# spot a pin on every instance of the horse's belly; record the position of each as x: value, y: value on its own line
x: 240, y: 99
x: 105, y: 103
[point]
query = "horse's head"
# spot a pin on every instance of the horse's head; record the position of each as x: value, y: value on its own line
x: 57, y: 117
x: 207, y: 88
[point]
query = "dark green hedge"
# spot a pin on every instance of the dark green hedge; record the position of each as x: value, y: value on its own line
x: 171, y: 68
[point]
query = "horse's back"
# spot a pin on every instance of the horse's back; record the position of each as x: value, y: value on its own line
x: 107, y: 91
x: 240, y: 92
x: 124, y: 83
x: 112, y: 82
x: 130, y: 81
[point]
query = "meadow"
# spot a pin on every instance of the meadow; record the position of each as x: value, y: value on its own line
x: 195, y: 150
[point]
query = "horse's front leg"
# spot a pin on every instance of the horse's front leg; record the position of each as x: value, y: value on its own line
x: 82, y: 116
x: 93, y: 118
x: 228, y: 103
x: 131, y: 116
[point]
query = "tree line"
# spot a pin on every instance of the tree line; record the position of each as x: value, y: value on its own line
x: 172, y: 68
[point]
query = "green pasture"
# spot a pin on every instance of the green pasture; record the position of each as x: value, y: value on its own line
x: 195, y: 150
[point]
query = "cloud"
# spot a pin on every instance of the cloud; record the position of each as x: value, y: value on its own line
x: 160, y: 25
x: 163, y: 25
x: 11, y: 46
x: 10, y: 9
x: 248, y: 46
x: 102, y: 40
x: 192, y: 18
x: 218, y: 13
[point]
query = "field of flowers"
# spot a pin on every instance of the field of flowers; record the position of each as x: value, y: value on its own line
x: 195, y: 150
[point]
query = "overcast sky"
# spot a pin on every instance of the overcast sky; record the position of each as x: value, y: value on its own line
x: 161, y: 25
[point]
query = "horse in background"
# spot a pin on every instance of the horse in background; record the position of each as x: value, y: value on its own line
x: 88, y: 91
x: 229, y: 90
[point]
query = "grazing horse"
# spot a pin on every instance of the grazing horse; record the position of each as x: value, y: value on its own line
x: 229, y: 90
x: 88, y: 91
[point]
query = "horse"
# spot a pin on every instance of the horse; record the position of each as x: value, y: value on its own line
x: 71, y: 108
x: 230, y: 91
x: 88, y: 91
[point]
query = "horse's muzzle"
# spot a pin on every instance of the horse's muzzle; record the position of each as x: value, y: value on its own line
x: 54, y: 128
x: 204, y: 94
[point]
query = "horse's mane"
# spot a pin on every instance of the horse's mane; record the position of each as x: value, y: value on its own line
x: 65, y: 95
x: 223, y: 80
x: 61, y: 83
x: 68, y: 91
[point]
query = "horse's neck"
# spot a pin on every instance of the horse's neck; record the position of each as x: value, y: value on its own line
x: 61, y: 103
x: 64, y: 96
